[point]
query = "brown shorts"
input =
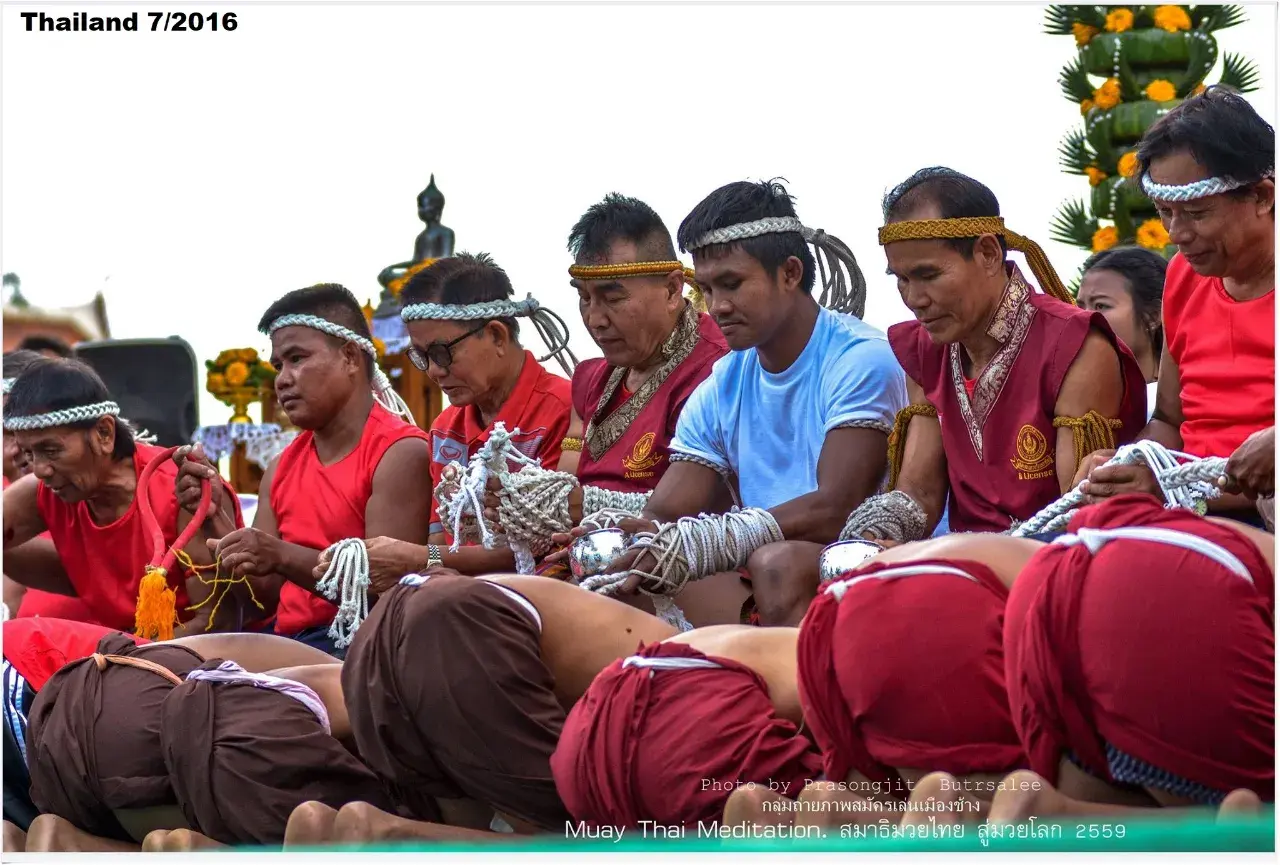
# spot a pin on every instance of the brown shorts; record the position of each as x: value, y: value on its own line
x: 449, y: 698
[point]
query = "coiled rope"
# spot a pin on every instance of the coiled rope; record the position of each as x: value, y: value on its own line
x: 1188, y: 484
x: 348, y: 576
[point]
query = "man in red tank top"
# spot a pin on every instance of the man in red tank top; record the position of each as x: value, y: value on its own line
x: 462, y: 323
x: 356, y: 470
x: 84, y: 490
x: 1209, y: 166
x: 20, y: 600
x: 1008, y: 387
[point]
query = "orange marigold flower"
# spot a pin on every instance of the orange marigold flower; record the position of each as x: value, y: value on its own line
x: 1083, y: 33
x: 1119, y: 20
x: 1161, y: 91
x: 1151, y: 234
x: 1108, y: 95
x: 1128, y: 164
x: 1172, y: 18
x: 1105, y: 238
x: 1095, y: 175
x: 237, y: 373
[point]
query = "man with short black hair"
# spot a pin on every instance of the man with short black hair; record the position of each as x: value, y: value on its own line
x: 356, y: 470
x: 1209, y: 166
x: 796, y: 417
x: 1009, y: 388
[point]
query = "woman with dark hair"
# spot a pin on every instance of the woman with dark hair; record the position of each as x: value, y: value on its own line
x: 1126, y: 285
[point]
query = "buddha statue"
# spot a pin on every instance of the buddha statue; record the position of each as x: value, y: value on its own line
x: 436, y: 240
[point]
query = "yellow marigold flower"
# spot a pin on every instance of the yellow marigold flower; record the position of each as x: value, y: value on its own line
x: 1108, y: 95
x: 248, y: 355
x: 1083, y: 33
x: 1119, y: 20
x: 1105, y: 238
x: 1152, y: 235
x: 1199, y: 88
x: 1128, y: 164
x: 224, y: 357
x: 216, y: 382
x: 1161, y: 90
x: 379, y: 346
x: 1095, y: 175
x: 1172, y: 18
x: 237, y: 373
x: 1086, y: 106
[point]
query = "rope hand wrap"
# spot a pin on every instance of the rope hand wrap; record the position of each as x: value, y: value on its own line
x: 551, y: 327
x: 693, y: 548
x: 1191, y: 191
x: 383, y: 393
x: 461, y: 493
x: 1187, y: 484
x: 974, y: 226
x: 595, y: 499
x: 348, y: 576
x: 838, y: 294
x: 893, y: 516
x: 62, y: 417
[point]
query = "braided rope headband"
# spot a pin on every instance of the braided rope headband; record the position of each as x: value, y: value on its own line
x: 974, y: 226
x: 62, y: 417
x: 1191, y: 191
x: 642, y: 268
x: 383, y: 393
x: 551, y: 327
x: 831, y: 252
x: 8, y: 385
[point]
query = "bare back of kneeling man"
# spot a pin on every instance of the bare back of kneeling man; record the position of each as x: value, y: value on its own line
x: 457, y: 689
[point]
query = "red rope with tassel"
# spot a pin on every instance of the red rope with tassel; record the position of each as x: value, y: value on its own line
x: 157, y: 610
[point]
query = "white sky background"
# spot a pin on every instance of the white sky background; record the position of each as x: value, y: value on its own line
x: 208, y: 173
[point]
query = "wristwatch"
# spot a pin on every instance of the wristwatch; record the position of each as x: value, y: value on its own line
x: 434, y: 559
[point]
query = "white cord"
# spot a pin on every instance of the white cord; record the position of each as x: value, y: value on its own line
x: 348, y: 574
x: 1188, y: 484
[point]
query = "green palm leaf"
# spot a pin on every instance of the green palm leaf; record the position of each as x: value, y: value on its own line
x: 1073, y: 225
x: 1074, y: 153
x: 1211, y: 18
x: 1074, y: 82
x: 1240, y: 74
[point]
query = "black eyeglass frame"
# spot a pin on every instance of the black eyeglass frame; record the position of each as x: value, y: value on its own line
x: 439, y: 353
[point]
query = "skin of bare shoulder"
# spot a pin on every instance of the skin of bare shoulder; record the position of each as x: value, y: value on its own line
x: 582, y: 632
x: 771, y: 652
x: 1005, y: 556
x: 255, y: 652
x: 326, y: 681
x: 1266, y: 543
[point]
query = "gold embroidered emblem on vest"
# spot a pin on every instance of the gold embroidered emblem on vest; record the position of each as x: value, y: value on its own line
x: 1034, y: 460
x: 642, y: 458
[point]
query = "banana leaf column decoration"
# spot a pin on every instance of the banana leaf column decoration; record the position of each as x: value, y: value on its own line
x: 1133, y: 64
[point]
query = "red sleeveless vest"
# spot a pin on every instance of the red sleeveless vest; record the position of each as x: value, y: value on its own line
x: 625, y: 450
x: 1000, y: 445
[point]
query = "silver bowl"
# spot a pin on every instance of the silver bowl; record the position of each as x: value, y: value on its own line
x: 842, y: 557
x: 591, y: 554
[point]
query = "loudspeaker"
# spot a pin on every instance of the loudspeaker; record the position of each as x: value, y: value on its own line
x: 155, y: 381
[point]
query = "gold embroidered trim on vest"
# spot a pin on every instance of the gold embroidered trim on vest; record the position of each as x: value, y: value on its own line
x: 604, y: 432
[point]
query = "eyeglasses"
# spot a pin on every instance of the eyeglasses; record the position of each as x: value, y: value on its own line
x: 439, y: 353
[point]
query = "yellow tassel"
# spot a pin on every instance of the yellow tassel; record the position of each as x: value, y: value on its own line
x: 157, y: 611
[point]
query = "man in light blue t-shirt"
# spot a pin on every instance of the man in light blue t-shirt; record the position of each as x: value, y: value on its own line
x: 795, y: 419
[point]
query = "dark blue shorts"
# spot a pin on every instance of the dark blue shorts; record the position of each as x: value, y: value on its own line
x: 318, y: 637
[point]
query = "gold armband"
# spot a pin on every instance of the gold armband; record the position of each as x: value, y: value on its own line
x: 1090, y: 433
x: 570, y: 443
x: 898, y: 438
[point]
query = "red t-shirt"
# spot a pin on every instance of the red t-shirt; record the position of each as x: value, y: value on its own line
x: 38, y: 648
x: 538, y: 407
x: 48, y: 604
x: 105, y: 564
x: 316, y: 505
x: 1225, y: 352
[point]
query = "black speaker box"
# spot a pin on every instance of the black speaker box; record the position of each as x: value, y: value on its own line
x: 155, y: 381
